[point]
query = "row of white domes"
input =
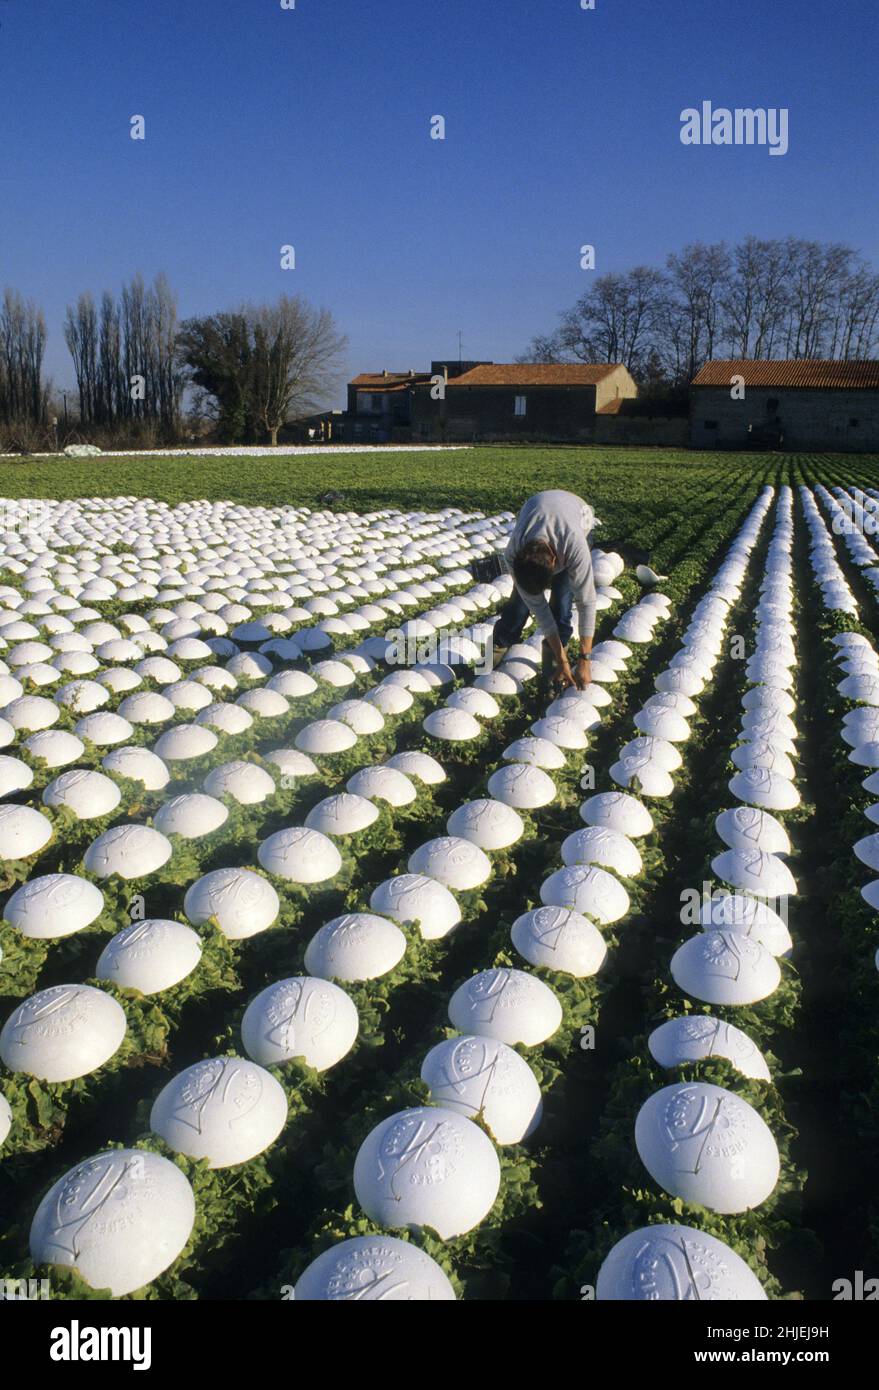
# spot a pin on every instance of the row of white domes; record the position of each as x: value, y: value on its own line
x: 675, y: 1127
x: 859, y: 665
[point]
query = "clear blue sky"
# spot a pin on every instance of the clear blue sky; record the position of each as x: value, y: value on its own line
x: 311, y: 127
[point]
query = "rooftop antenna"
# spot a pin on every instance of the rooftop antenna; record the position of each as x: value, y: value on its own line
x: 460, y: 346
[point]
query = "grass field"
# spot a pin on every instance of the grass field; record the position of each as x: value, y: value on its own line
x: 628, y: 484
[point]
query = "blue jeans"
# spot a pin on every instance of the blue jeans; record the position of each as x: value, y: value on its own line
x: 515, y: 613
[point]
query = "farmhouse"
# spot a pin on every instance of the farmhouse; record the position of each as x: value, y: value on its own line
x: 380, y: 403
x: 547, y: 401
x: 802, y: 404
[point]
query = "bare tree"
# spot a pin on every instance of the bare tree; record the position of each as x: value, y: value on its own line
x: 699, y: 284
x: 615, y: 320
x: 263, y: 363
x: 545, y: 347
x: 81, y: 337
x: 297, y: 351
x: 132, y: 341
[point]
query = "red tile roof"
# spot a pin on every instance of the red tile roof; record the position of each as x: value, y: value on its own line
x: 536, y: 374
x: 803, y: 372
x: 393, y: 381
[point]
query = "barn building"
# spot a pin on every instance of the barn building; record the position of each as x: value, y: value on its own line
x: 803, y: 404
x: 546, y: 401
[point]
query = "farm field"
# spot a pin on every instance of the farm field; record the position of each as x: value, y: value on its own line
x: 342, y: 949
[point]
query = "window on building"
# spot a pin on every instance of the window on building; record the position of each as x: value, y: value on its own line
x: 711, y: 424
x: 521, y: 406
x: 772, y: 405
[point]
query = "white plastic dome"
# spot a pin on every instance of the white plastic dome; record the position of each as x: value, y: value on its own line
x: 484, y: 1079
x: 499, y: 684
x: 243, y: 781
x: 357, y: 946
x: 523, y: 786
x: 643, y: 774
x: 587, y: 889
x: 457, y: 863
x: 452, y: 725
x: 756, y: 872
x: 564, y: 733
x: 191, y: 816
x: 29, y: 713
x: 769, y: 790
x: 150, y: 956
x: 152, y: 1208
x: 476, y: 702
x: 344, y: 813
x: 147, y: 707
x: 242, y: 902
x: 675, y: 1264
x: 382, y: 783
x: 725, y: 967
x: 62, y: 1033
x: 56, y: 747
x: 263, y: 703
x: 225, y: 718
x: 427, y: 1167
x: 23, y: 831
x: 557, y: 938
x: 420, y: 766
x: 335, y: 673
x: 293, y: 685
x: 658, y: 750
x: 54, y: 905
x: 749, y: 827
x: 663, y: 723
x: 415, y: 900
x: 748, y: 916
x: 608, y: 848
x: 360, y: 715
x: 372, y: 1269
x: 509, y: 1005
x: 538, y: 752
x: 300, y: 1017
x: 708, y: 1146
x: 489, y: 824
x: 15, y: 776
x: 291, y: 763
x: 681, y: 1041
x: 225, y: 1109
x: 88, y: 794
x: 325, y: 736
x: 139, y: 764
x: 300, y: 855
x: 185, y: 741
x: 618, y: 811
x: 131, y: 851
x: 104, y: 730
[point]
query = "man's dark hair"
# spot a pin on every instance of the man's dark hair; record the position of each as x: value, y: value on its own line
x: 533, y: 567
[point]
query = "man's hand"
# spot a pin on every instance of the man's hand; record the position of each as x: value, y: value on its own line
x: 563, y: 674
x: 583, y: 673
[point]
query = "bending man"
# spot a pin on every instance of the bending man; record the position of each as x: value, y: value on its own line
x: 549, y: 550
